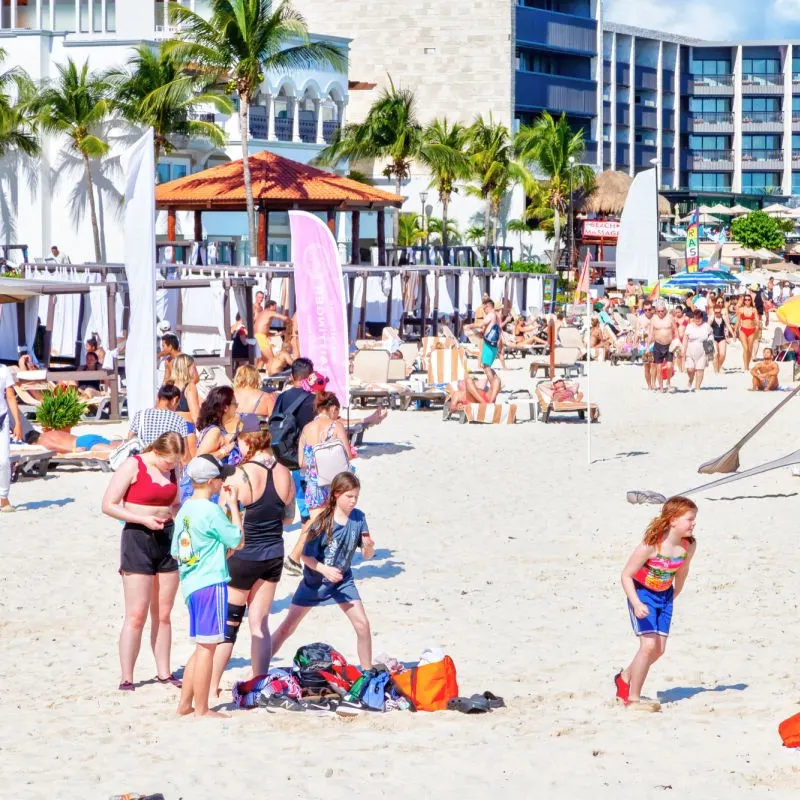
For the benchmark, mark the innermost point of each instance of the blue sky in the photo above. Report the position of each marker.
(711, 19)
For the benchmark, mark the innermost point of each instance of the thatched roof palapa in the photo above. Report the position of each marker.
(610, 192)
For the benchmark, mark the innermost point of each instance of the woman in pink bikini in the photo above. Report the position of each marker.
(653, 577)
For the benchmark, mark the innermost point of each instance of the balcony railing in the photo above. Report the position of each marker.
(328, 128)
(283, 129)
(559, 31)
(711, 117)
(202, 116)
(762, 79)
(711, 80)
(761, 117)
(762, 155)
(795, 155)
(667, 119)
(308, 131)
(572, 95)
(646, 78)
(712, 155)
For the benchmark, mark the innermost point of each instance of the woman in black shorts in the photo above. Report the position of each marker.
(266, 491)
(144, 494)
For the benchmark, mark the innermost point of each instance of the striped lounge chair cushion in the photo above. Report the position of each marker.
(492, 413)
(446, 366)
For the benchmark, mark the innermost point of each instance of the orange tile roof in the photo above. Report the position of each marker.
(278, 183)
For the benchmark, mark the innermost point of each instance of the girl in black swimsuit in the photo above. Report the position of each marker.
(266, 491)
(720, 327)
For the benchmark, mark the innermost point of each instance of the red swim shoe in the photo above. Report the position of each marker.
(623, 689)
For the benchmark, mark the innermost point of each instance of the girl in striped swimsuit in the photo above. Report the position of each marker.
(653, 577)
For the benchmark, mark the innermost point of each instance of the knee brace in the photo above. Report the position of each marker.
(234, 622)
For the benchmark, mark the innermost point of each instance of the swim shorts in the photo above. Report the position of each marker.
(89, 440)
(146, 552)
(208, 610)
(245, 574)
(659, 618)
(661, 353)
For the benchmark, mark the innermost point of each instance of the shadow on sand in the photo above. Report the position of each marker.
(685, 692)
(36, 505)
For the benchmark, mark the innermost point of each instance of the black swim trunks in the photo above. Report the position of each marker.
(661, 354)
(146, 552)
(245, 574)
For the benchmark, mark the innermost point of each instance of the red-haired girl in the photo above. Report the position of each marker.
(653, 577)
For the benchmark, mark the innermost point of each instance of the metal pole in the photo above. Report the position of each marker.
(571, 244)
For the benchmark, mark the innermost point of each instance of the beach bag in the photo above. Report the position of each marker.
(246, 694)
(492, 336)
(132, 447)
(429, 687)
(374, 694)
(320, 667)
(789, 731)
(708, 346)
(330, 457)
(285, 434)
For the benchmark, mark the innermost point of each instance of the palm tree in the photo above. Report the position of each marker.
(443, 152)
(75, 106)
(476, 234)
(243, 40)
(17, 126)
(519, 226)
(549, 145)
(157, 91)
(390, 131)
(436, 227)
(492, 158)
(410, 231)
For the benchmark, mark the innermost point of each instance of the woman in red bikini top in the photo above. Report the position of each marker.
(748, 325)
(144, 495)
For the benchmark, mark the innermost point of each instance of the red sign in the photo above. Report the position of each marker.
(600, 228)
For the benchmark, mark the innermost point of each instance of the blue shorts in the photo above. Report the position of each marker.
(208, 611)
(660, 616)
(89, 440)
(300, 495)
(488, 355)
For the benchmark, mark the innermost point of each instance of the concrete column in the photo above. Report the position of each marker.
(39, 15)
(103, 16)
(355, 237)
(676, 121)
(13, 11)
(787, 120)
(166, 15)
(632, 111)
(340, 109)
(660, 111)
(193, 5)
(295, 119)
(613, 96)
(52, 15)
(736, 186)
(270, 118)
(77, 15)
(91, 16)
(318, 112)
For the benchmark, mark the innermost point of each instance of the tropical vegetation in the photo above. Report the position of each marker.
(757, 230)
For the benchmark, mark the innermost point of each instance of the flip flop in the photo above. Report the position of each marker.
(493, 700)
(469, 705)
(127, 686)
(171, 680)
(623, 689)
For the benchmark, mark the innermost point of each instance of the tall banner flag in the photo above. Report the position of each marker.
(140, 271)
(716, 258)
(319, 291)
(583, 281)
(693, 243)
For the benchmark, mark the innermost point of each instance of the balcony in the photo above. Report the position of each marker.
(606, 155)
(714, 160)
(645, 153)
(202, 116)
(623, 115)
(668, 80)
(328, 129)
(258, 122)
(556, 31)
(711, 122)
(623, 155)
(759, 121)
(623, 75)
(283, 129)
(668, 119)
(259, 128)
(590, 154)
(558, 93)
(796, 121)
(667, 158)
(762, 84)
(716, 85)
(308, 131)
(606, 72)
(646, 118)
(646, 78)
(762, 159)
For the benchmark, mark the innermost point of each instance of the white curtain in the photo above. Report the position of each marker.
(204, 306)
(535, 294)
(9, 349)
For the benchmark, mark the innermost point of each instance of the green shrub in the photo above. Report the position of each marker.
(60, 409)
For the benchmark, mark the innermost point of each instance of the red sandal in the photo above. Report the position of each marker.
(623, 689)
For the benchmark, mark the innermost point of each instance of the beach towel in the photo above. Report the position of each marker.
(246, 694)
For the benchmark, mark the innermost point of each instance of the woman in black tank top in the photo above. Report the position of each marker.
(722, 329)
(266, 491)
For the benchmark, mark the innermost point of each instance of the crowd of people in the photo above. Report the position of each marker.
(205, 503)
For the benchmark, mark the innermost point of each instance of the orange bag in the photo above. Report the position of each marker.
(430, 686)
(789, 730)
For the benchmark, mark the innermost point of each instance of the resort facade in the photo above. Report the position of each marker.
(43, 201)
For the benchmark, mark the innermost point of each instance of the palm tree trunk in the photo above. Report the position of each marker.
(98, 253)
(244, 122)
(495, 220)
(487, 227)
(445, 198)
(556, 239)
(398, 189)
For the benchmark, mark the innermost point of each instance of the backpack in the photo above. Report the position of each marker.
(130, 447)
(492, 336)
(430, 686)
(320, 667)
(330, 457)
(374, 695)
(285, 434)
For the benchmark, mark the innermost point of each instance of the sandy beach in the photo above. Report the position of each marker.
(497, 543)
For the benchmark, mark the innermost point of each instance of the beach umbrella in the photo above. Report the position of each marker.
(705, 210)
(766, 255)
(777, 210)
(705, 219)
(738, 211)
(789, 312)
(720, 209)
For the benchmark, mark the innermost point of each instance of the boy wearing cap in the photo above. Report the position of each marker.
(202, 537)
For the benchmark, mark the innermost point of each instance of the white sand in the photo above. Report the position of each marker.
(497, 543)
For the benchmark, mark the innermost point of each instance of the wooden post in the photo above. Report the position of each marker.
(389, 301)
(435, 303)
(524, 279)
(551, 341)
(226, 321)
(362, 333)
(423, 296)
(469, 296)
(48, 330)
(263, 234)
(79, 335)
(355, 256)
(171, 228)
(381, 238)
(111, 339)
(249, 322)
(22, 344)
(198, 225)
(457, 306)
(332, 221)
(351, 281)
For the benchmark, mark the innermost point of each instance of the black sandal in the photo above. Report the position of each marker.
(469, 705)
(127, 686)
(493, 700)
(171, 680)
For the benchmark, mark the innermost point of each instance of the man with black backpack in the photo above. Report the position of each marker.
(294, 409)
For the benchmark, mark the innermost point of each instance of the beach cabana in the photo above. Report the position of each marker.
(279, 184)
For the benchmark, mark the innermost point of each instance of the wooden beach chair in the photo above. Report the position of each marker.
(370, 379)
(566, 360)
(445, 369)
(548, 406)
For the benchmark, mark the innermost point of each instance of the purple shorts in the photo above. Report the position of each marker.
(208, 611)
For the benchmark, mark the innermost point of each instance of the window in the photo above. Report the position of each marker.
(762, 104)
(761, 66)
(711, 67)
(796, 104)
(709, 143)
(710, 105)
(710, 181)
(796, 142)
(796, 183)
(170, 171)
(761, 142)
(760, 182)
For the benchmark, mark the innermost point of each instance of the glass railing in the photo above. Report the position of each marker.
(762, 79)
(711, 80)
(712, 155)
(762, 155)
(712, 117)
(762, 116)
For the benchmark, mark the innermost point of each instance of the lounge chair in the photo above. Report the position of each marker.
(571, 337)
(505, 412)
(445, 368)
(35, 381)
(548, 406)
(370, 379)
(88, 459)
(29, 461)
(566, 360)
